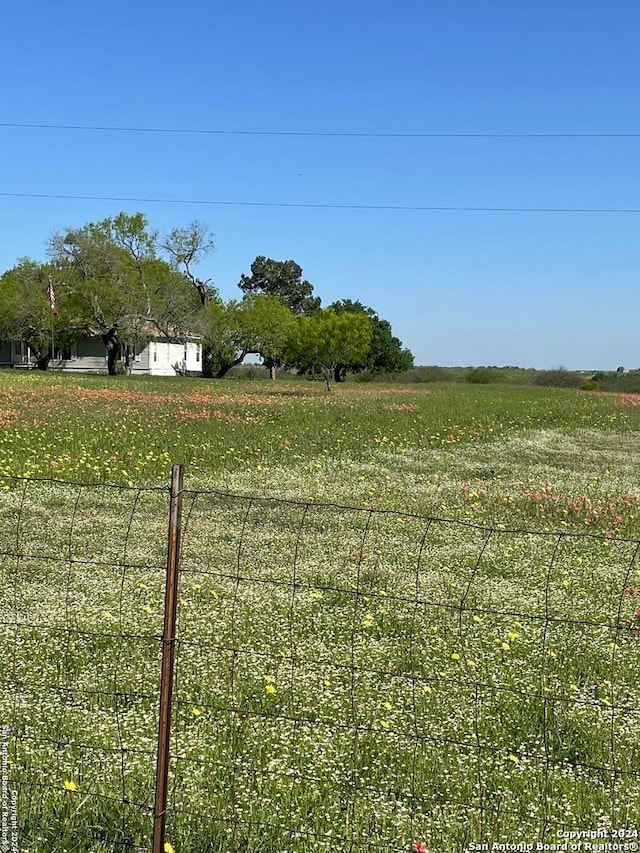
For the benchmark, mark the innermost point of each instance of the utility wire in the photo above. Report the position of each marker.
(313, 133)
(319, 206)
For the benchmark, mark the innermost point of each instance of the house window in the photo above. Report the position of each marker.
(197, 352)
(155, 352)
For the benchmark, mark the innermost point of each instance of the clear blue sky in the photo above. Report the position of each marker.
(460, 288)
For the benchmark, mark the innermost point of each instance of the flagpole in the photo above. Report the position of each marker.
(53, 317)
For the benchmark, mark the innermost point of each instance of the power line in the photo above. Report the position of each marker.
(320, 206)
(319, 133)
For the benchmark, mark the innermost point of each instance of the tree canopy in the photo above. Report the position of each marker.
(326, 339)
(282, 279)
(25, 308)
(385, 354)
(113, 284)
(119, 281)
(258, 324)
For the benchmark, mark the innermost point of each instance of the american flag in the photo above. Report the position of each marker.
(52, 297)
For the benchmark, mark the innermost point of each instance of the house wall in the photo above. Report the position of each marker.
(5, 353)
(160, 358)
(140, 363)
(88, 355)
(15, 353)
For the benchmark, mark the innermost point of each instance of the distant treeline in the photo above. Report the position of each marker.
(619, 380)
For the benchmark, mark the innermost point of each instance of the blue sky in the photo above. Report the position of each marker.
(459, 287)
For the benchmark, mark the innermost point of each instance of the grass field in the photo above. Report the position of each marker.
(394, 633)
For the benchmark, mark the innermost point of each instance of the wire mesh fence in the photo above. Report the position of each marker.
(346, 679)
(80, 566)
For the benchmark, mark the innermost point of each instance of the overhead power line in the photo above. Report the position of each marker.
(318, 133)
(320, 206)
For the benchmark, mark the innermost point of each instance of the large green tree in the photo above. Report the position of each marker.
(116, 287)
(386, 353)
(26, 311)
(256, 325)
(283, 280)
(268, 325)
(326, 339)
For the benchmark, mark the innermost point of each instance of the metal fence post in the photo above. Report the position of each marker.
(168, 655)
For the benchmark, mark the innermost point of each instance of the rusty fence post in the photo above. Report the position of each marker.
(168, 656)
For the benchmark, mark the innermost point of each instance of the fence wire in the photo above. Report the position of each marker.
(346, 679)
(80, 567)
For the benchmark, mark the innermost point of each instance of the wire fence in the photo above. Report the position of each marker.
(344, 679)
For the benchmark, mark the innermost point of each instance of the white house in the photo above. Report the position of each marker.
(15, 354)
(158, 357)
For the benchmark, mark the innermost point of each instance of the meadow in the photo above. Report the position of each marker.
(408, 615)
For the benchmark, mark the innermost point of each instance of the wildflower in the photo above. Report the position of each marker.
(169, 848)
(455, 656)
(505, 646)
(69, 785)
(419, 847)
(367, 620)
(514, 758)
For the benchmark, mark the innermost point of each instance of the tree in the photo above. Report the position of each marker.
(326, 339)
(283, 280)
(222, 337)
(386, 353)
(268, 326)
(186, 247)
(26, 311)
(115, 286)
(258, 325)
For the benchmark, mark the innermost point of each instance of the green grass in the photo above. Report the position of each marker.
(346, 679)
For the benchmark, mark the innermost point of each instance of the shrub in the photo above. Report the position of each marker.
(366, 376)
(628, 383)
(430, 373)
(559, 378)
(590, 384)
(480, 375)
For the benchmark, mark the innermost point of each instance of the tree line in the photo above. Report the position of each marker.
(121, 282)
